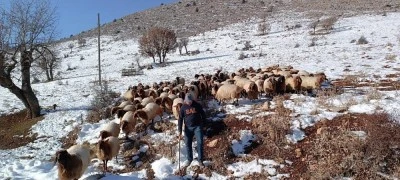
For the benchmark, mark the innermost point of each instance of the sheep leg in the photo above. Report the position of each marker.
(104, 166)
(116, 158)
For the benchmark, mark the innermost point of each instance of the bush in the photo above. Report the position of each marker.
(242, 56)
(362, 40)
(100, 107)
(247, 46)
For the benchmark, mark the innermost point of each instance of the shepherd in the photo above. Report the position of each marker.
(194, 117)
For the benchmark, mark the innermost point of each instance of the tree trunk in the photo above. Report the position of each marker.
(154, 59)
(30, 100)
(160, 58)
(186, 49)
(48, 74)
(51, 73)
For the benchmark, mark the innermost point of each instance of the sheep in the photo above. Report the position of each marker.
(229, 92)
(172, 96)
(280, 86)
(107, 149)
(269, 86)
(127, 123)
(122, 105)
(293, 84)
(303, 73)
(111, 129)
(73, 162)
(166, 104)
(251, 90)
(176, 107)
(164, 94)
(147, 100)
(311, 82)
(149, 112)
(180, 80)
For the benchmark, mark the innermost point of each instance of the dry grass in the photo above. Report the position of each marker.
(333, 150)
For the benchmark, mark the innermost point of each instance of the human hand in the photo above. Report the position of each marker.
(180, 137)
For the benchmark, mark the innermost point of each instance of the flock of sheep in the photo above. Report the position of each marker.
(143, 103)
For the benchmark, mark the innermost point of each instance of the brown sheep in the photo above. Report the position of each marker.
(107, 149)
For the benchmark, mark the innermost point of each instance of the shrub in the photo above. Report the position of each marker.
(328, 23)
(362, 40)
(247, 46)
(297, 45)
(100, 106)
(241, 56)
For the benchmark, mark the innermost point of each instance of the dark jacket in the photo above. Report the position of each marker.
(193, 115)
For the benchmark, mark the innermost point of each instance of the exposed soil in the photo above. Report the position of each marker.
(15, 130)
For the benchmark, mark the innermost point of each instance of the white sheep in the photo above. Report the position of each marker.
(110, 129)
(147, 100)
(176, 107)
(229, 92)
(269, 86)
(149, 112)
(311, 82)
(73, 162)
(107, 149)
(128, 123)
(293, 84)
(303, 73)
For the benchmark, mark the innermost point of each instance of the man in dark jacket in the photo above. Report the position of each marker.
(193, 115)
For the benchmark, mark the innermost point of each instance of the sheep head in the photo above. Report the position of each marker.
(67, 161)
(141, 115)
(114, 110)
(104, 134)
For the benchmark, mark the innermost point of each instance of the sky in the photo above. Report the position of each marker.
(76, 16)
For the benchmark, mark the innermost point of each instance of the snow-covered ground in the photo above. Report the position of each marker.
(332, 54)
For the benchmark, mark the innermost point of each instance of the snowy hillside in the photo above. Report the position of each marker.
(334, 54)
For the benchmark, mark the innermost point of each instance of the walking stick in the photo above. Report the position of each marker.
(179, 155)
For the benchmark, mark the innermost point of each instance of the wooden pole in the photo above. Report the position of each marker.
(98, 45)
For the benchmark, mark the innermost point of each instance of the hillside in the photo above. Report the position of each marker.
(212, 14)
(351, 130)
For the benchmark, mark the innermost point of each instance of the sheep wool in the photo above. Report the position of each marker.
(228, 92)
(111, 129)
(107, 149)
(73, 162)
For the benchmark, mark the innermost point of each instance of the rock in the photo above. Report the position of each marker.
(213, 143)
(319, 130)
(265, 106)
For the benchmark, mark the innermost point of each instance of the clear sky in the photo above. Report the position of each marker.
(76, 16)
(79, 15)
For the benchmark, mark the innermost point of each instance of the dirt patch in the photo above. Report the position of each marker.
(15, 130)
(333, 149)
(352, 82)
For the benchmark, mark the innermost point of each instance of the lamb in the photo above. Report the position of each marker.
(73, 162)
(229, 92)
(293, 84)
(176, 107)
(111, 129)
(107, 149)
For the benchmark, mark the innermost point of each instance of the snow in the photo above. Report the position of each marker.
(333, 53)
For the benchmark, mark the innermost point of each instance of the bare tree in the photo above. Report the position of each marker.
(81, 42)
(263, 27)
(185, 42)
(71, 46)
(28, 24)
(314, 25)
(146, 48)
(158, 42)
(180, 46)
(47, 61)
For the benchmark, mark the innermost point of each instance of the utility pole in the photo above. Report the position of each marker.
(98, 49)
